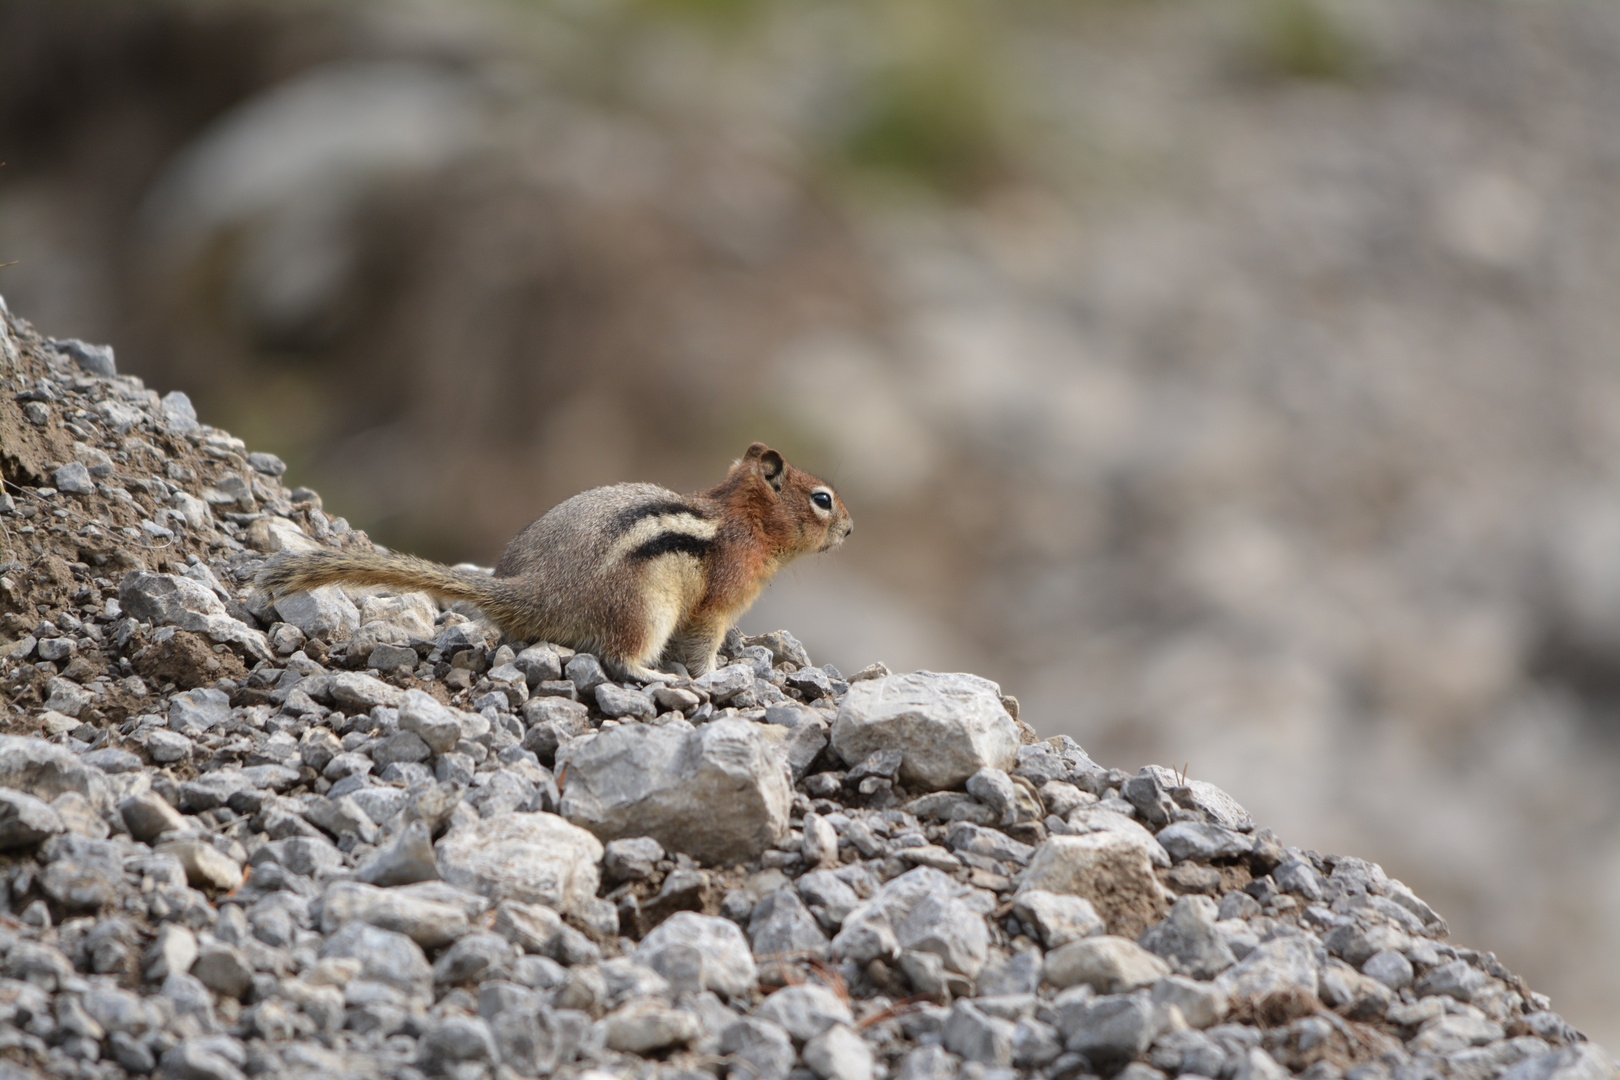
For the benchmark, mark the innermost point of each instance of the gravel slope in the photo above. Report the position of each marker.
(356, 835)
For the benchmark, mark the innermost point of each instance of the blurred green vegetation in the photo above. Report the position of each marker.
(913, 91)
(932, 109)
(1302, 39)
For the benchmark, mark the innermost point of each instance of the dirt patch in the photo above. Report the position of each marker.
(187, 660)
(1274, 1009)
(150, 497)
(1348, 1043)
(1128, 901)
(1211, 879)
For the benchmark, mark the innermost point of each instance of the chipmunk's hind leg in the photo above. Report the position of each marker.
(633, 656)
(647, 625)
(670, 586)
(695, 646)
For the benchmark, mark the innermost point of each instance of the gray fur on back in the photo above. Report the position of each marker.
(581, 532)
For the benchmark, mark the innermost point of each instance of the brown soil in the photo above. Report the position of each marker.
(187, 660)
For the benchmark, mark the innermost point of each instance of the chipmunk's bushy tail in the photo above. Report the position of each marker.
(298, 571)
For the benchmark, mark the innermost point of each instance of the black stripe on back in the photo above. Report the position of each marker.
(670, 543)
(628, 518)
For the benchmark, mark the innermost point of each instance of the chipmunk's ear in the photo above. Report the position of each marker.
(769, 463)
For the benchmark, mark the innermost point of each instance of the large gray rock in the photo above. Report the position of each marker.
(171, 600)
(217, 787)
(1202, 842)
(1201, 1003)
(537, 858)
(1351, 993)
(1299, 877)
(762, 1047)
(1056, 919)
(73, 478)
(355, 691)
(1454, 1033)
(82, 873)
(223, 968)
(1582, 1061)
(1256, 1064)
(25, 820)
(947, 727)
(1110, 1029)
(830, 897)
(1277, 980)
(456, 1040)
(631, 859)
(273, 533)
(326, 613)
(311, 856)
(625, 978)
(717, 793)
(341, 817)
(429, 923)
(642, 1026)
(530, 927)
(1016, 975)
(781, 925)
(1098, 819)
(1458, 980)
(839, 1053)
(931, 1061)
(198, 710)
(539, 663)
(1188, 939)
(385, 957)
(1109, 965)
(64, 695)
(798, 732)
(408, 858)
(1011, 803)
(992, 843)
(46, 771)
(201, 1058)
(804, 1010)
(700, 952)
(172, 952)
(119, 1010)
(165, 746)
(473, 958)
(206, 866)
(925, 910)
(92, 359)
(1390, 968)
(179, 414)
(435, 724)
(976, 1036)
(617, 702)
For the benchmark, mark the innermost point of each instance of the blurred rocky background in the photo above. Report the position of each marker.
(1236, 381)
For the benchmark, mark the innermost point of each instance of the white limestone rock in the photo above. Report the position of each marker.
(925, 910)
(947, 727)
(717, 793)
(537, 858)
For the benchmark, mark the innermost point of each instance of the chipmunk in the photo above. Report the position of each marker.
(634, 573)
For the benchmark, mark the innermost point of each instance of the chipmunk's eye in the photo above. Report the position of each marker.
(822, 499)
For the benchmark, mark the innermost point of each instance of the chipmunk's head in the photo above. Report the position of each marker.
(798, 512)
